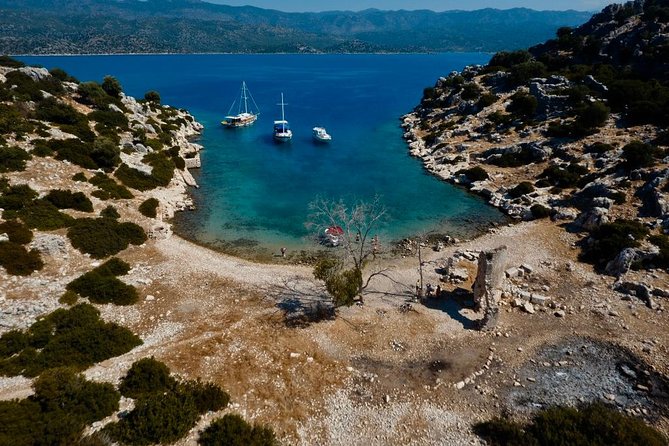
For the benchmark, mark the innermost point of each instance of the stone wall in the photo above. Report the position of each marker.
(488, 284)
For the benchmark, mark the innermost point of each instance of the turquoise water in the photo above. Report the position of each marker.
(254, 193)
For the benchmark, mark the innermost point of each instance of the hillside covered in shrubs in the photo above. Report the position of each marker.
(574, 129)
(80, 163)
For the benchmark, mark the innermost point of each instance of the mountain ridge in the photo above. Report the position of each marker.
(94, 26)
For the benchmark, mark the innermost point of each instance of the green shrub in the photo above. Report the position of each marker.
(476, 173)
(523, 105)
(486, 100)
(233, 430)
(110, 212)
(156, 419)
(112, 86)
(161, 174)
(61, 75)
(101, 286)
(152, 96)
(75, 151)
(523, 157)
(637, 155)
(105, 153)
(12, 342)
(146, 377)
(69, 298)
(10, 62)
(521, 189)
(75, 337)
(540, 211)
(65, 199)
(42, 215)
(499, 118)
(25, 88)
(506, 59)
(109, 119)
(41, 148)
(610, 239)
(63, 404)
(208, 397)
(16, 231)
(91, 93)
(110, 188)
(16, 197)
(564, 177)
(522, 73)
(470, 92)
(13, 159)
(103, 237)
(13, 121)
(149, 207)
(80, 177)
(594, 424)
(52, 110)
(592, 115)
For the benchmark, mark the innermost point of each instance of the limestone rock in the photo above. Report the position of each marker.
(592, 219)
(49, 244)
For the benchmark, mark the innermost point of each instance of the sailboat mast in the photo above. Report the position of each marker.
(246, 109)
(283, 117)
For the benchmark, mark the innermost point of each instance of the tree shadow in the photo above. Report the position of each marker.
(301, 302)
(452, 303)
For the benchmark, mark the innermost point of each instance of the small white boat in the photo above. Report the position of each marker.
(244, 117)
(282, 131)
(320, 134)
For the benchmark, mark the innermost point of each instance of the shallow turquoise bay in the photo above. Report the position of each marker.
(254, 193)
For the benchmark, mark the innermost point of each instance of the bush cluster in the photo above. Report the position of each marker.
(476, 173)
(62, 405)
(110, 212)
(18, 261)
(165, 409)
(523, 157)
(101, 285)
(563, 176)
(637, 155)
(161, 174)
(27, 89)
(594, 424)
(521, 189)
(16, 231)
(13, 159)
(149, 207)
(523, 105)
(16, 197)
(607, 241)
(233, 430)
(102, 237)
(76, 337)
(42, 215)
(12, 120)
(108, 188)
(65, 199)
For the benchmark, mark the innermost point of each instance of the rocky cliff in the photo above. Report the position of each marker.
(574, 130)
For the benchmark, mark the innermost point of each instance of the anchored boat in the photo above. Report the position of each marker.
(320, 134)
(245, 116)
(282, 131)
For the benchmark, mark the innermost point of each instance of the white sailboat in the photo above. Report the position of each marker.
(282, 131)
(244, 117)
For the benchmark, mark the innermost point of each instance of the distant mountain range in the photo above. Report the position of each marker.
(193, 26)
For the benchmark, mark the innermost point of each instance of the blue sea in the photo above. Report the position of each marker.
(254, 193)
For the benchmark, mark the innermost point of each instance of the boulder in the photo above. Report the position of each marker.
(592, 219)
(49, 244)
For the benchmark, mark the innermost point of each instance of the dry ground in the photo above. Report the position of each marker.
(373, 375)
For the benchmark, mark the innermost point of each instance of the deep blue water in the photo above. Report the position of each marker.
(253, 189)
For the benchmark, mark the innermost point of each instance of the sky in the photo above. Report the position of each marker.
(436, 5)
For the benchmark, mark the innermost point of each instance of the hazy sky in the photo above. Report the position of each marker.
(437, 5)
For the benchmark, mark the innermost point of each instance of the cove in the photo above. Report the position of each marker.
(254, 193)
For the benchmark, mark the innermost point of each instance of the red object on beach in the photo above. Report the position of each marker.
(334, 230)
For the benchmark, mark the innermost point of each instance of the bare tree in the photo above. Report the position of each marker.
(355, 227)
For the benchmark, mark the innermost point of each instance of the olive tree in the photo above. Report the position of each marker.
(356, 238)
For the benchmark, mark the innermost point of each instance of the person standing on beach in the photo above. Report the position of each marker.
(283, 252)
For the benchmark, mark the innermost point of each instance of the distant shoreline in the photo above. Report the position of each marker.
(252, 54)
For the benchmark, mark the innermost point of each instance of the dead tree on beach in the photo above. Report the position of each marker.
(354, 230)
